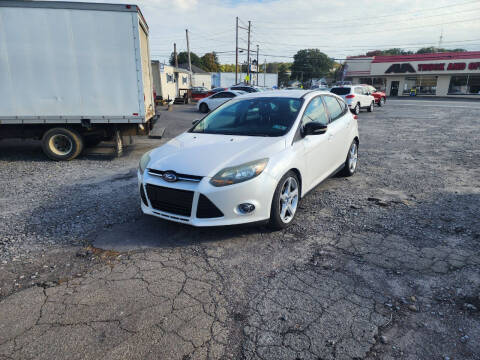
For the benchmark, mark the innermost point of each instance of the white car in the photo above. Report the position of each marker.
(356, 97)
(213, 101)
(250, 160)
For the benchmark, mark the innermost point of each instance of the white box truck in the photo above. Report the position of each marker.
(74, 74)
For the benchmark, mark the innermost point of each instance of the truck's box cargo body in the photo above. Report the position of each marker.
(74, 63)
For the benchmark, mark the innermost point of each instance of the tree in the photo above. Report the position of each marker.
(392, 51)
(433, 49)
(183, 58)
(210, 62)
(227, 68)
(309, 64)
(283, 75)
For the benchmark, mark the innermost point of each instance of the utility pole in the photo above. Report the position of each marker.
(236, 52)
(175, 54)
(258, 65)
(189, 60)
(248, 52)
(265, 73)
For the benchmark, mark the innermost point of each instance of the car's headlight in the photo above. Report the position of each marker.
(240, 173)
(145, 159)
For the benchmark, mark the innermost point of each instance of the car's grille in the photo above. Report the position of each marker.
(142, 195)
(206, 209)
(173, 201)
(184, 177)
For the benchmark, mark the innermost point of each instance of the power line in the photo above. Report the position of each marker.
(360, 18)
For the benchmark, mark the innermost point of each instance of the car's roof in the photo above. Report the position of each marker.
(285, 93)
(236, 92)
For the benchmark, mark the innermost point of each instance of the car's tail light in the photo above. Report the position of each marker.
(351, 96)
(355, 117)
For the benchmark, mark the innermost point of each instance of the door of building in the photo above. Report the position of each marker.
(394, 88)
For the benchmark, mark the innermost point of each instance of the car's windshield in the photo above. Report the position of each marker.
(340, 90)
(267, 116)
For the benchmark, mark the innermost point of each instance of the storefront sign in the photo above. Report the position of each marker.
(474, 66)
(400, 69)
(453, 66)
(431, 67)
(457, 66)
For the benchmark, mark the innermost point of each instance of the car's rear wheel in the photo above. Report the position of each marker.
(356, 109)
(381, 102)
(285, 201)
(351, 161)
(204, 108)
(370, 108)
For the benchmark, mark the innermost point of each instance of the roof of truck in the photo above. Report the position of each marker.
(69, 5)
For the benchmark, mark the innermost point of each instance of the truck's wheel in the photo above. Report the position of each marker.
(62, 144)
(118, 140)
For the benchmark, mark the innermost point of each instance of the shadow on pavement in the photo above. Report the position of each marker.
(151, 232)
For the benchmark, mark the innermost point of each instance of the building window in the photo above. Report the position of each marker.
(378, 83)
(184, 79)
(425, 85)
(464, 85)
(170, 78)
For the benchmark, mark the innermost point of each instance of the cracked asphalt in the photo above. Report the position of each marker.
(383, 265)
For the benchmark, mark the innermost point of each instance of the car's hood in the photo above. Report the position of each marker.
(206, 154)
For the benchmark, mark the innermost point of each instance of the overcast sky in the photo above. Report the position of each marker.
(282, 27)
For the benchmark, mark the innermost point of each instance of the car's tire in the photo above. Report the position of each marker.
(62, 144)
(203, 108)
(352, 159)
(285, 202)
(356, 109)
(381, 102)
(370, 108)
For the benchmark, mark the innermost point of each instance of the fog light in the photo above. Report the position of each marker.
(246, 208)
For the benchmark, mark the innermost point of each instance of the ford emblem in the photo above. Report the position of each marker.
(170, 176)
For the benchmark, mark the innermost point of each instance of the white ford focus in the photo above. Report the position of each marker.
(252, 159)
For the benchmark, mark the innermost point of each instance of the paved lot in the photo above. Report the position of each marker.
(383, 265)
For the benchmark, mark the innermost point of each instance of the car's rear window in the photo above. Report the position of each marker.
(340, 90)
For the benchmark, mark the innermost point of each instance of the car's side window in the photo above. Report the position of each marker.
(359, 91)
(334, 109)
(316, 112)
(217, 96)
(343, 105)
(229, 95)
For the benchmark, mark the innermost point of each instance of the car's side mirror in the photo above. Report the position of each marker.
(195, 122)
(314, 128)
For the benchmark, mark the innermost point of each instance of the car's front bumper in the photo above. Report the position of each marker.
(258, 191)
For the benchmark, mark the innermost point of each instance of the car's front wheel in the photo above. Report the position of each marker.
(351, 161)
(285, 201)
(204, 108)
(381, 102)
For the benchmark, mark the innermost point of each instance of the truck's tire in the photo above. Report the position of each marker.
(118, 142)
(62, 144)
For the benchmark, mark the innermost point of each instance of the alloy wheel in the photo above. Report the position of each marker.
(353, 157)
(288, 199)
(61, 144)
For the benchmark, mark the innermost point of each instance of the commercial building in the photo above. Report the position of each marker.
(200, 77)
(168, 81)
(440, 74)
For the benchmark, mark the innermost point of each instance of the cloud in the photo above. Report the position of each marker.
(282, 27)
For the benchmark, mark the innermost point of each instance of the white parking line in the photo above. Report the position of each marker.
(437, 104)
